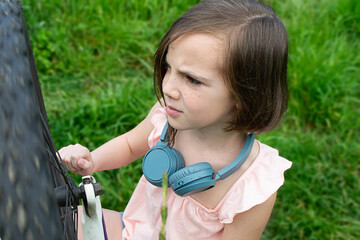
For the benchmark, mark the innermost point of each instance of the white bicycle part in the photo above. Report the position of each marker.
(91, 217)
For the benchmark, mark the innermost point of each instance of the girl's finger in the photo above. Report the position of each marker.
(73, 162)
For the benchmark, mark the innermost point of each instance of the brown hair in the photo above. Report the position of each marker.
(255, 66)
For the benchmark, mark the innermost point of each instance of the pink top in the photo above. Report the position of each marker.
(187, 218)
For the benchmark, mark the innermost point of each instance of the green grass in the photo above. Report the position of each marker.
(95, 64)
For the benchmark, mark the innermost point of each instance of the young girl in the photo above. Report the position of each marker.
(220, 74)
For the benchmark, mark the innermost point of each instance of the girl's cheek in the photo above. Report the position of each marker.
(191, 97)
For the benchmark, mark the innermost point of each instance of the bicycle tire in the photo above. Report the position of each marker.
(29, 169)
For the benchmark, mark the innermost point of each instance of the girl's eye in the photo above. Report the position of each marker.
(193, 80)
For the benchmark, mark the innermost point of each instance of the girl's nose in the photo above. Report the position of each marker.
(170, 86)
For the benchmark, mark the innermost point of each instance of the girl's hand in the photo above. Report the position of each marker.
(77, 159)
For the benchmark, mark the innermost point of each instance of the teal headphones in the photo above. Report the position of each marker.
(191, 179)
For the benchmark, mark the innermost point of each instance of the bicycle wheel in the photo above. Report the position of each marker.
(29, 169)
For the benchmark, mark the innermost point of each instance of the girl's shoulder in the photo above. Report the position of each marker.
(158, 119)
(261, 180)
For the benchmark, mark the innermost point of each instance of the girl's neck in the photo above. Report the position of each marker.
(215, 140)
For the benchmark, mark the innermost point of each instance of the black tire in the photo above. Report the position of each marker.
(29, 170)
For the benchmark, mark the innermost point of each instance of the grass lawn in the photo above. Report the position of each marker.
(95, 64)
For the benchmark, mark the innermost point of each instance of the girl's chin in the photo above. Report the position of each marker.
(175, 123)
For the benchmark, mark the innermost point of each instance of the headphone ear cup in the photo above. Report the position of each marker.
(158, 159)
(178, 158)
(192, 179)
(186, 171)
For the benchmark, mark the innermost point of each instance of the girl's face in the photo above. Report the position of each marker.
(193, 86)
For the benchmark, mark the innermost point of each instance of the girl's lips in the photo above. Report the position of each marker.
(172, 111)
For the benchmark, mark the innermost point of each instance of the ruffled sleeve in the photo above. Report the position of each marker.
(262, 179)
(158, 120)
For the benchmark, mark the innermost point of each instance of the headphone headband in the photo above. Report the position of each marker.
(238, 161)
(164, 136)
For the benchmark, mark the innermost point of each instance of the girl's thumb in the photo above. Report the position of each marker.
(83, 163)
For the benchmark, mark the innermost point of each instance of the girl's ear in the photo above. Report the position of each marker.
(235, 111)
(238, 106)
